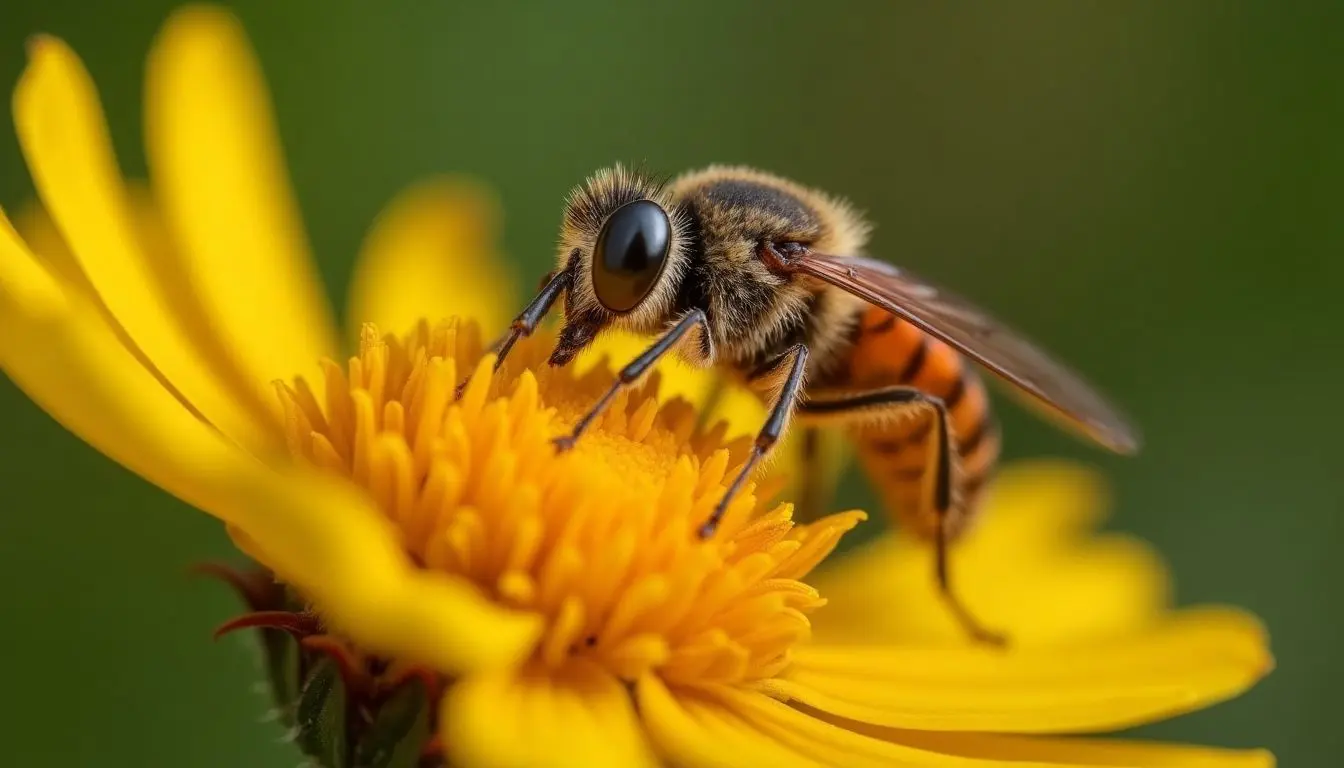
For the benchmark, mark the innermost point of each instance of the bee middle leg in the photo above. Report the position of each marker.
(791, 366)
(877, 405)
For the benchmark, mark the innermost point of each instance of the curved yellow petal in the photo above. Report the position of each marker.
(1192, 661)
(830, 744)
(321, 535)
(217, 171)
(64, 138)
(433, 253)
(327, 538)
(1074, 751)
(63, 356)
(44, 240)
(578, 716)
(693, 731)
(1029, 569)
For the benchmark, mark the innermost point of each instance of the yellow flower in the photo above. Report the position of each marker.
(560, 600)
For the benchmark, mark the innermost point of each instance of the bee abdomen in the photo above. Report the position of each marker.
(898, 453)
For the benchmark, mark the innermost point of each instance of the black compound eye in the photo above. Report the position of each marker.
(630, 254)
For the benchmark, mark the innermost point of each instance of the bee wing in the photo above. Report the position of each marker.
(1006, 353)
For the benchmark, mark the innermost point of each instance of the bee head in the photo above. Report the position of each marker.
(625, 244)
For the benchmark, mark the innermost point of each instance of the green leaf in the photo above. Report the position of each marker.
(321, 716)
(399, 730)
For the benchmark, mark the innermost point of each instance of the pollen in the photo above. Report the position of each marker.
(599, 540)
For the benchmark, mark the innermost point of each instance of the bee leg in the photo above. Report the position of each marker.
(527, 321)
(868, 406)
(942, 500)
(770, 432)
(637, 368)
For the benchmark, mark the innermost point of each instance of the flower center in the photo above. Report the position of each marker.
(599, 540)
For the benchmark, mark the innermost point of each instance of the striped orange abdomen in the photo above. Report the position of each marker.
(897, 454)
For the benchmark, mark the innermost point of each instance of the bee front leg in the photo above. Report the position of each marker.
(792, 365)
(632, 372)
(526, 322)
(554, 284)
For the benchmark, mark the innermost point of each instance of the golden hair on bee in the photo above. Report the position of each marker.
(759, 312)
(749, 199)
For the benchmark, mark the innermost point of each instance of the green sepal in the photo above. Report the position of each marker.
(320, 718)
(283, 658)
(399, 731)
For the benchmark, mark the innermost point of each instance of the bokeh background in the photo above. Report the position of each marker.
(1151, 188)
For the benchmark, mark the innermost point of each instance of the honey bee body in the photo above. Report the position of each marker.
(765, 279)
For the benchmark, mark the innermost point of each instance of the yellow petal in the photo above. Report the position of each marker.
(578, 716)
(1076, 751)
(727, 727)
(738, 407)
(64, 138)
(1192, 661)
(321, 535)
(432, 254)
(676, 378)
(63, 356)
(44, 240)
(1037, 504)
(219, 175)
(1029, 569)
(829, 744)
(324, 536)
(693, 731)
(1102, 589)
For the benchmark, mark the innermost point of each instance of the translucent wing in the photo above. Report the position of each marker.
(980, 337)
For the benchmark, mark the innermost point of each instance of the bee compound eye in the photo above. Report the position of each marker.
(630, 254)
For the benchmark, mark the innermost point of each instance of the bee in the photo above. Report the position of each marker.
(768, 281)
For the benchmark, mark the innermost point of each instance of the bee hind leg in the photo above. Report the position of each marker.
(875, 406)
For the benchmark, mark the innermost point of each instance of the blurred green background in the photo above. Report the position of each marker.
(1153, 189)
